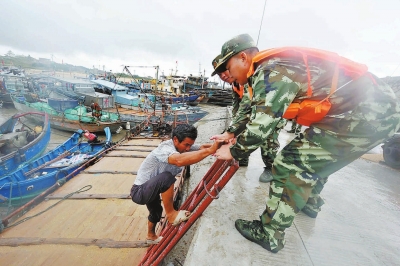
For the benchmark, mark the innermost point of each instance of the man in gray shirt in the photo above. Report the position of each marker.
(157, 172)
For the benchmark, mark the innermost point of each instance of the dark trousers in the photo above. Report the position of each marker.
(148, 194)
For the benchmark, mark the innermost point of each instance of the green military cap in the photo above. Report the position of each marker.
(232, 47)
(215, 61)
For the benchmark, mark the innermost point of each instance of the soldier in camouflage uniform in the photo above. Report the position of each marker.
(364, 112)
(236, 99)
(240, 116)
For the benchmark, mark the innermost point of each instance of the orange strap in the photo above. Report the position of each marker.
(309, 89)
(239, 90)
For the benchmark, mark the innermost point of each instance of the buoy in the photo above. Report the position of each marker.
(90, 136)
(128, 125)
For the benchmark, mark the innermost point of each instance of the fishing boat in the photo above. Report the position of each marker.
(21, 142)
(40, 174)
(175, 113)
(9, 83)
(195, 82)
(122, 94)
(182, 98)
(71, 119)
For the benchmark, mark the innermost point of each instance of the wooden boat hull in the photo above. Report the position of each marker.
(180, 116)
(64, 124)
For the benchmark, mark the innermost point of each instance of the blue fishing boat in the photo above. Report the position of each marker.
(122, 94)
(182, 98)
(40, 174)
(21, 141)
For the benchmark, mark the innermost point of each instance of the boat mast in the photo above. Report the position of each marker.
(202, 81)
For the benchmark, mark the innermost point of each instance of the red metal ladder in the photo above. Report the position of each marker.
(206, 191)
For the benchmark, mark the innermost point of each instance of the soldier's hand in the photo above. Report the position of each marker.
(224, 153)
(216, 145)
(226, 137)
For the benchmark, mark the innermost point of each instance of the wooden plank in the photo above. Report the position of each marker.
(109, 172)
(117, 164)
(38, 255)
(103, 243)
(138, 145)
(143, 141)
(101, 184)
(91, 196)
(88, 218)
(133, 148)
(118, 152)
(126, 156)
(101, 226)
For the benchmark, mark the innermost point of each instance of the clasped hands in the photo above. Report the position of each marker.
(225, 140)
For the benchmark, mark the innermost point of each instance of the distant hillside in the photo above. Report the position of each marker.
(28, 62)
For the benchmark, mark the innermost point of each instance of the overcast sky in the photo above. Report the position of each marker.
(162, 32)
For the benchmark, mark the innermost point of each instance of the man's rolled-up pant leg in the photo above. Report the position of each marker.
(149, 194)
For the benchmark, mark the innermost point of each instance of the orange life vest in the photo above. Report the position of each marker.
(308, 111)
(239, 90)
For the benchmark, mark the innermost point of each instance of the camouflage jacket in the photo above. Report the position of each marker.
(278, 81)
(241, 111)
(235, 102)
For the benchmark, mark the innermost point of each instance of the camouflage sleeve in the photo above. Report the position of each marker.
(235, 102)
(272, 94)
(242, 116)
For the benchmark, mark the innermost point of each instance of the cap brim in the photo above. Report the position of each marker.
(219, 69)
(221, 64)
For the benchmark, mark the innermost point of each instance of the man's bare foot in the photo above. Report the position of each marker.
(152, 236)
(173, 216)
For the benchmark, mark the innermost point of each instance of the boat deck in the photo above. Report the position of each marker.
(98, 226)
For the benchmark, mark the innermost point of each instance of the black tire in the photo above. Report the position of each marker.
(391, 151)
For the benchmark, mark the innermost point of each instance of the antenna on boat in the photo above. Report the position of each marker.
(199, 69)
(156, 67)
(262, 18)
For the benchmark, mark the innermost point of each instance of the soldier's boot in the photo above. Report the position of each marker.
(244, 162)
(313, 207)
(310, 212)
(266, 175)
(253, 231)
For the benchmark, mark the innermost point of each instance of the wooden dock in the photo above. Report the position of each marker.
(99, 226)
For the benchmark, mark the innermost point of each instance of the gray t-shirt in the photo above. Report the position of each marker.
(157, 162)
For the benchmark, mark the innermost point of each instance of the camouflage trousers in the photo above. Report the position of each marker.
(302, 168)
(271, 146)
